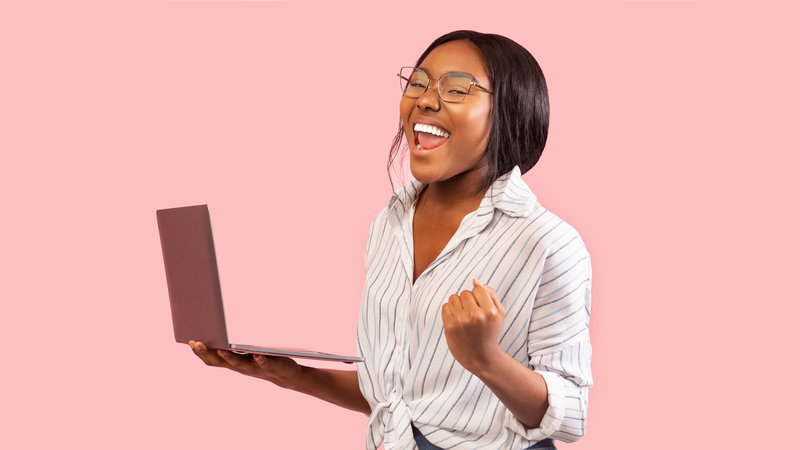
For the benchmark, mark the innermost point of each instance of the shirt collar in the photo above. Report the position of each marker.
(509, 194)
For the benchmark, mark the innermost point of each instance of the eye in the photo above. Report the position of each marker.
(458, 90)
(457, 83)
(417, 81)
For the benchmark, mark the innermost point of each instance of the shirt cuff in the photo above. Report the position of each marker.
(552, 417)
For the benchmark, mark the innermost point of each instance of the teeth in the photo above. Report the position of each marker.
(419, 147)
(431, 130)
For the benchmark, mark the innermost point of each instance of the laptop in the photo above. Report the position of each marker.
(195, 295)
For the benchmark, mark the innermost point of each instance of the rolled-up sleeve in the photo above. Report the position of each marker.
(558, 343)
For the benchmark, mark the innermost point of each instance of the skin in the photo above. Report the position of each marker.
(453, 172)
(339, 387)
(472, 322)
(458, 163)
(472, 319)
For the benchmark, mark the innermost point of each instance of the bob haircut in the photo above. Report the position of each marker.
(520, 110)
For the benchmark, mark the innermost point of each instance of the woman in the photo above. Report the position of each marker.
(451, 362)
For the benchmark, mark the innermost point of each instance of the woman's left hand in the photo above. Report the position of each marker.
(472, 324)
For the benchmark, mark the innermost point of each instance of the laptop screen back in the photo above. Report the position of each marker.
(192, 277)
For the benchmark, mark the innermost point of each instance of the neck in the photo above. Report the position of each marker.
(462, 191)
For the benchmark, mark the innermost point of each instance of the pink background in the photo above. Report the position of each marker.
(673, 142)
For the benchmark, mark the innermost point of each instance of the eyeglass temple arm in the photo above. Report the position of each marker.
(481, 87)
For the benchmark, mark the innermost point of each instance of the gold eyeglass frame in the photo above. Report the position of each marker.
(473, 82)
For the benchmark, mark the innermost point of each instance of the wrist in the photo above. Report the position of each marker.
(488, 364)
(298, 380)
(293, 379)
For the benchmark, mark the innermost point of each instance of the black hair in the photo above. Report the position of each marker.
(521, 108)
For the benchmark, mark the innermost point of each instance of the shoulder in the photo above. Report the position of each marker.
(380, 218)
(397, 209)
(380, 221)
(553, 250)
(527, 225)
(565, 257)
(545, 229)
(379, 232)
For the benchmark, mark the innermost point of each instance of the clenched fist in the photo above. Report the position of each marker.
(472, 322)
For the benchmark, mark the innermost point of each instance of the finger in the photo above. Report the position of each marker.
(500, 308)
(455, 303)
(496, 300)
(477, 282)
(266, 361)
(469, 301)
(199, 349)
(447, 313)
(240, 363)
(481, 294)
(261, 360)
(491, 294)
(198, 346)
(209, 357)
(449, 319)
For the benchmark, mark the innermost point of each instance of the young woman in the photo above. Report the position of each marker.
(474, 317)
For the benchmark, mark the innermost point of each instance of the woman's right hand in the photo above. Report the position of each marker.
(281, 371)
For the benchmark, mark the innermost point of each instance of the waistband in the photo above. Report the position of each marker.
(425, 444)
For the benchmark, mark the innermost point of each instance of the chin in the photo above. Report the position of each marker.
(422, 172)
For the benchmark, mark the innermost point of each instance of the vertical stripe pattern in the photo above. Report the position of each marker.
(541, 271)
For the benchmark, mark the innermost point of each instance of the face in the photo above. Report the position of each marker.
(460, 156)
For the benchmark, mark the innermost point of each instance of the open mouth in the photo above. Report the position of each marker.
(428, 137)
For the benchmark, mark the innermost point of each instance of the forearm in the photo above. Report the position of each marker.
(472, 322)
(520, 389)
(339, 387)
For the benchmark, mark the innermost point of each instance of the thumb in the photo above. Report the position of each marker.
(492, 295)
(261, 360)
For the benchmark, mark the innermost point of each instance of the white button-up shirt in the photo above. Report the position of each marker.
(540, 269)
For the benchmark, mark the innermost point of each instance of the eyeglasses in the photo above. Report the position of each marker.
(453, 86)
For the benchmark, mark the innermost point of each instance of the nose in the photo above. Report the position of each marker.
(430, 98)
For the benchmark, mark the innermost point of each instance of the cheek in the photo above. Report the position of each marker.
(406, 106)
(481, 125)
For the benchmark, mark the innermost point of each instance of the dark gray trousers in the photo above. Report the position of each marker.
(424, 444)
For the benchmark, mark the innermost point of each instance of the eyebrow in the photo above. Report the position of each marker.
(478, 83)
(449, 71)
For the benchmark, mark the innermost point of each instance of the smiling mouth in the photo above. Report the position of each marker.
(428, 137)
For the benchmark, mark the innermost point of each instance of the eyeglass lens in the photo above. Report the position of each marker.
(453, 87)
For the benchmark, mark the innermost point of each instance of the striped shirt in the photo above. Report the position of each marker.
(541, 271)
